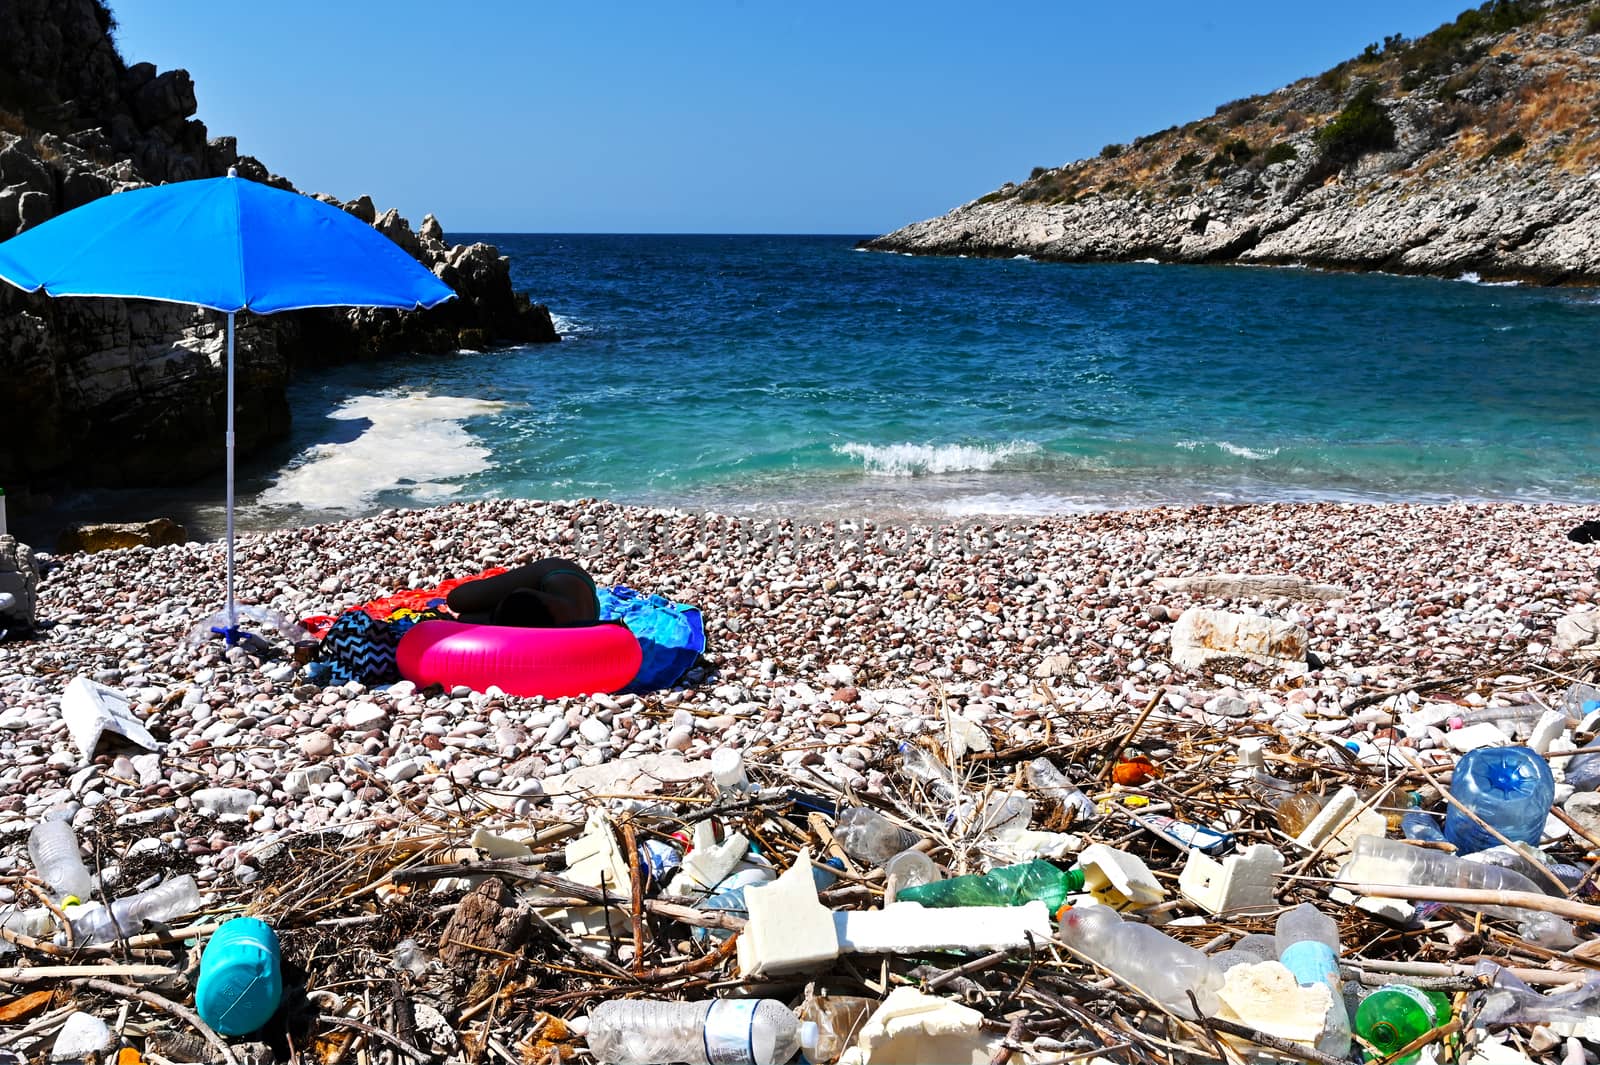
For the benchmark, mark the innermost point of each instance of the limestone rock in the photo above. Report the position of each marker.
(157, 532)
(1251, 586)
(1579, 633)
(1201, 635)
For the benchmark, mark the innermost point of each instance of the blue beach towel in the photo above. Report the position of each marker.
(670, 634)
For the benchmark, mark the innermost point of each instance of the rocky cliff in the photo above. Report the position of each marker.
(124, 391)
(1471, 149)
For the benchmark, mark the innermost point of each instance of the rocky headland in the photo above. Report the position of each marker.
(122, 391)
(1468, 150)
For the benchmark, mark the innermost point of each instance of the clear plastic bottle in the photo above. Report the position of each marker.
(1388, 861)
(829, 1024)
(35, 923)
(53, 849)
(1511, 788)
(1583, 772)
(1396, 1015)
(1158, 965)
(1297, 811)
(923, 767)
(1580, 700)
(869, 837)
(1515, 721)
(1009, 885)
(910, 869)
(1051, 784)
(1423, 827)
(1308, 946)
(724, 1032)
(728, 897)
(1000, 812)
(170, 899)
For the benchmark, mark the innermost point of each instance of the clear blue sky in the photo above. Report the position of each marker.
(774, 116)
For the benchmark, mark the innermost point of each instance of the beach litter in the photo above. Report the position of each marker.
(1131, 874)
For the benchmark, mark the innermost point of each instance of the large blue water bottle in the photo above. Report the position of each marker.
(241, 977)
(1511, 788)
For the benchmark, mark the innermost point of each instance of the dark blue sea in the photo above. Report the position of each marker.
(798, 375)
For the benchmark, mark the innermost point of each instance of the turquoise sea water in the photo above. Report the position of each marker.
(784, 374)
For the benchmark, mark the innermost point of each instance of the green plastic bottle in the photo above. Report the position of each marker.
(1394, 1015)
(1010, 885)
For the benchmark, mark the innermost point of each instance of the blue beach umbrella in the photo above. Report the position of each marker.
(226, 243)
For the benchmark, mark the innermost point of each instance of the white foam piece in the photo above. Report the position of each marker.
(908, 927)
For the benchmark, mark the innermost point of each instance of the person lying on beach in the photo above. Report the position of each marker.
(550, 593)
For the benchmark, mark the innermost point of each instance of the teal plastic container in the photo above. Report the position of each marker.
(241, 977)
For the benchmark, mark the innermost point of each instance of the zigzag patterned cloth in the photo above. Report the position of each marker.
(361, 647)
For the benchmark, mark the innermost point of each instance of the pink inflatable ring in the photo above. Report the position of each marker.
(573, 660)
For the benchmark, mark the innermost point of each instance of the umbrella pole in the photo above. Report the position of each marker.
(230, 637)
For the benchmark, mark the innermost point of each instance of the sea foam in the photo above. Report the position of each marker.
(414, 441)
(914, 460)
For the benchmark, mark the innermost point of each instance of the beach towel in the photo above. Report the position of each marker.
(671, 635)
(415, 599)
(361, 647)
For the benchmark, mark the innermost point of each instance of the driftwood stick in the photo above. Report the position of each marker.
(1522, 900)
(591, 896)
(166, 1005)
(376, 1033)
(40, 973)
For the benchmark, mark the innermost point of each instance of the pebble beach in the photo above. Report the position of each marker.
(824, 642)
(828, 645)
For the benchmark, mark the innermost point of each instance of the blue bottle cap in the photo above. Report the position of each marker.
(241, 977)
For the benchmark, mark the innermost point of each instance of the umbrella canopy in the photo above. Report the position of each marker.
(225, 243)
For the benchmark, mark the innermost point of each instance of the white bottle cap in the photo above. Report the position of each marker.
(727, 768)
(809, 1034)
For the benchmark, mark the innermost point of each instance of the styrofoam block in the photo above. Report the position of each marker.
(91, 710)
(1267, 997)
(1398, 911)
(1473, 737)
(1118, 879)
(709, 862)
(789, 930)
(908, 927)
(1551, 725)
(1239, 884)
(593, 859)
(1339, 809)
(911, 1026)
(496, 847)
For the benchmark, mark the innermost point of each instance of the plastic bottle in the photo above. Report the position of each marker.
(1009, 885)
(869, 837)
(724, 1031)
(1420, 826)
(1308, 946)
(932, 773)
(241, 977)
(1515, 721)
(1158, 965)
(1395, 1015)
(1000, 812)
(1051, 784)
(35, 923)
(829, 1024)
(910, 869)
(53, 849)
(728, 896)
(1580, 700)
(1511, 788)
(1583, 772)
(1297, 811)
(101, 924)
(1387, 861)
